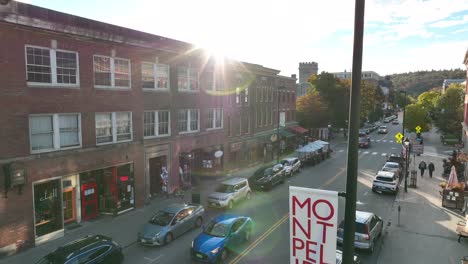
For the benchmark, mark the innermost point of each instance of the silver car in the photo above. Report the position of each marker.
(392, 167)
(230, 192)
(171, 222)
(291, 165)
(368, 228)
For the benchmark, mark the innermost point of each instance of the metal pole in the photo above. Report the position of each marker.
(278, 125)
(407, 169)
(352, 164)
(404, 116)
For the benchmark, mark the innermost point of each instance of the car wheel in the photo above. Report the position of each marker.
(248, 234)
(371, 249)
(168, 238)
(230, 205)
(248, 196)
(223, 256)
(198, 222)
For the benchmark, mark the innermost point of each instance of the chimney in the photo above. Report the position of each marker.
(293, 76)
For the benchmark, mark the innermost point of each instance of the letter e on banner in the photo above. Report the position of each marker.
(313, 224)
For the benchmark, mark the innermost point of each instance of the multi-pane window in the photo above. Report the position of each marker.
(246, 94)
(113, 127)
(156, 123)
(155, 76)
(214, 118)
(258, 118)
(54, 132)
(188, 120)
(246, 125)
(51, 66)
(239, 125)
(187, 79)
(111, 72)
(237, 95)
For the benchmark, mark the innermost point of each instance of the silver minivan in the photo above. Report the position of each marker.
(368, 228)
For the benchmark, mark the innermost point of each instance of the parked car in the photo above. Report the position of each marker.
(271, 176)
(368, 228)
(364, 142)
(395, 122)
(364, 131)
(339, 258)
(291, 165)
(222, 235)
(90, 249)
(362, 134)
(171, 222)
(230, 192)
(382, 130)
(393, 167)
(385, 181)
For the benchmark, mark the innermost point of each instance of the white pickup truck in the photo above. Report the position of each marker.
(385, 181)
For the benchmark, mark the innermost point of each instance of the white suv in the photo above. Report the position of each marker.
(385, 181)
(230, 192)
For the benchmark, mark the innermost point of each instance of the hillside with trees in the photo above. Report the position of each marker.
(418, 82)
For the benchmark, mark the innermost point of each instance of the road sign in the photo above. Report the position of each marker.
(313, 224)
(417, 148)
(398, 137)
(418, 129)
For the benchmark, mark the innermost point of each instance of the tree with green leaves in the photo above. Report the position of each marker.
(428, 100)
(417, 115)
(450, 110)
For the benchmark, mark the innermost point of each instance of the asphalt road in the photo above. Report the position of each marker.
(270, 242)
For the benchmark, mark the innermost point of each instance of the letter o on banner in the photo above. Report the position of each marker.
(330, 206)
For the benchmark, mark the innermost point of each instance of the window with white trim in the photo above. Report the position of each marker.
(188, 120)
(156, 123)
(155, 76)
(113, 127)
(214, 118)
(237, 95)
(110, 72)
(51, 66)
(52, 132)
(246, 94)
(187, 79)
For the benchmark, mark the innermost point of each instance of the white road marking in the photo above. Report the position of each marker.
(391, 141)
(372, 140)
(153, 260)
(384, 140)
(366, 152)
(384, 154)
(341, 150)
(378, 140)
(374, 153)
(366, 193)
(359, 203)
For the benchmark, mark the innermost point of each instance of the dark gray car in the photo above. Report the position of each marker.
(171, 222)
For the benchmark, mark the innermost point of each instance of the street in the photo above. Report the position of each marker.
(270, 242)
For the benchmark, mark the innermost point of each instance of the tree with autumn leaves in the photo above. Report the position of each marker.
(327, 102)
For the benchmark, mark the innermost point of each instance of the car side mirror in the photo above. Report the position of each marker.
(174, 222)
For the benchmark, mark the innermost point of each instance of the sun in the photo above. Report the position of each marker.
(215, 48)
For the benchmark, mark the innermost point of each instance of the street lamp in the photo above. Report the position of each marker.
(404, 111)
(407, 147)
(278, 125)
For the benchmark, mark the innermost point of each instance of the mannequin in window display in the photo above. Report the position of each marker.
(164, 179)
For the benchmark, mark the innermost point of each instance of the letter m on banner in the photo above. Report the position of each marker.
(313, 224)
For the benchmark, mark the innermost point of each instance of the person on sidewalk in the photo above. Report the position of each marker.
(422, 167)
(431, 168)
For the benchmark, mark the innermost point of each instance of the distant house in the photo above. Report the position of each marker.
(448, 82)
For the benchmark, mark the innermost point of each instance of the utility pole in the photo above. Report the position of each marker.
(352, 165)
(404, 113)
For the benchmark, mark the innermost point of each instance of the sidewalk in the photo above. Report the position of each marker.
(426, 233)
(123, 229)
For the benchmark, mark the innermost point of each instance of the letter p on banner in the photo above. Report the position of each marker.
(313, 225)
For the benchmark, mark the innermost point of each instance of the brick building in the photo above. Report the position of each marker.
(93, 114)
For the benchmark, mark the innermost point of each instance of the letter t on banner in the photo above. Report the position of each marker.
(313, 224)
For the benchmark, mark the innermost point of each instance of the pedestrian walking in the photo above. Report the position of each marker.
(422, 167)
(431, 168)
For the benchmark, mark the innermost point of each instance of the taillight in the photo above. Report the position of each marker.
(367, 232)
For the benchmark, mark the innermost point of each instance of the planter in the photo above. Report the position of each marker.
(453, 199)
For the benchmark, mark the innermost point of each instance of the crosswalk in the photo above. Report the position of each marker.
(383, 141)
(363, 153)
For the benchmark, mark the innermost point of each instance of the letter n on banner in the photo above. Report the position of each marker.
(313, 224)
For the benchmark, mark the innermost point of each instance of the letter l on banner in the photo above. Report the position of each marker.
(313, 215)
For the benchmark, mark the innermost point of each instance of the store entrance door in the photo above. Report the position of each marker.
(89, 202)
(155, 167)
(69, 205)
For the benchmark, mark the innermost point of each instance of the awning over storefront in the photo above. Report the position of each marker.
(286, 133)
(299, 129)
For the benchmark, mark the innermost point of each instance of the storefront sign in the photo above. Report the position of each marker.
(313, 225)
(218, 154)
(236, 146)
(417, 148)
(123, 178)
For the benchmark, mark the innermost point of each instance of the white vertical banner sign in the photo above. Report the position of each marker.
(313, 224)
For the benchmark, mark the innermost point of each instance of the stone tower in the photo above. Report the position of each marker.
(306, 69)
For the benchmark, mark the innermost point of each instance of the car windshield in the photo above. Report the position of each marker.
(362, 140)
(285, 163)
(385, 179)
(225, 188)
(268, 172)
(360, 227)
(217, 229)
(392, 166)
(161, 218)
(383, 127)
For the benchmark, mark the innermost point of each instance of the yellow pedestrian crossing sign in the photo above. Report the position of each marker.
(398, 137)
(418, 129)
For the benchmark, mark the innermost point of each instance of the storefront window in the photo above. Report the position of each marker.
(126, 194)
(48, 207)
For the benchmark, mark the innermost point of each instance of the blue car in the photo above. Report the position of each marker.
(221, 235)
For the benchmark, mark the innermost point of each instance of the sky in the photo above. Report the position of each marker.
(399, 36)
